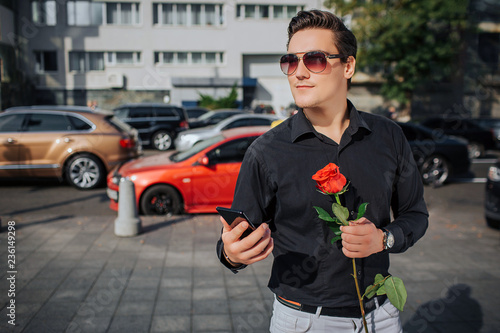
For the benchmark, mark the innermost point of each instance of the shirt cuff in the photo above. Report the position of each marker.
(226, 263)
(399, 238)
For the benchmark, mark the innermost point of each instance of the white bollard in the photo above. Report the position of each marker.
(128, 223)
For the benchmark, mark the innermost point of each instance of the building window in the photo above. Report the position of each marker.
(210, 16)
(124, 58)
(251, 11)
(123, 13)
(263, 11)
(196, 14)
(168, 57)
(46, 61)
(84, 13)
(76, 61)
(210, 58)
(96, 61)
(188, 58)
(86, 61)
(44, 12)
(182, 57)
(279, 12)
(196, 58)
(291, 11)
(181, 14)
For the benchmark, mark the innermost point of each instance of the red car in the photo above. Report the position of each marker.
(193, 181)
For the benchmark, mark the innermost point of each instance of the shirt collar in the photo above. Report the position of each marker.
(302, 126)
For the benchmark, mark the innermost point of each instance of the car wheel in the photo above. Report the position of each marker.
(162, 140)
(495, 224)
(435, 170)
(161, 200)
(475, 149)
(85, 171)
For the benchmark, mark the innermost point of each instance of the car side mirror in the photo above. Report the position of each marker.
(204, 160)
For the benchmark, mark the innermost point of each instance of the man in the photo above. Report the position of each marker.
(311, 278)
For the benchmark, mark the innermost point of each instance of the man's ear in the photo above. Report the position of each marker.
(349, 67)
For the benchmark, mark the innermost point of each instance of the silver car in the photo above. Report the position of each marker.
(187, 139)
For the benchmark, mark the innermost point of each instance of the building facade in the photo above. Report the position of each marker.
(114, 52)
(7, 51)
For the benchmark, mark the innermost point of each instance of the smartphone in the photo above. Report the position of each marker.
(234, 217)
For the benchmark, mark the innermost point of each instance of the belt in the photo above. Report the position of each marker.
(345, 312)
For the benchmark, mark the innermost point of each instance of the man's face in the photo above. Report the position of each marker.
(318, 90)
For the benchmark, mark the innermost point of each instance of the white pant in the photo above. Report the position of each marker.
(383, 319)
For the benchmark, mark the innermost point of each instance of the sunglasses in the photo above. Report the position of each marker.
(315, 61)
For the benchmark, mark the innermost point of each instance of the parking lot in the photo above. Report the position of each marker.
(72, 274)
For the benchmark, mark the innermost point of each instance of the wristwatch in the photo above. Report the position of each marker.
(388, 239)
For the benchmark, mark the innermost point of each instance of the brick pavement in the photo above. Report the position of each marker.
(75, 275)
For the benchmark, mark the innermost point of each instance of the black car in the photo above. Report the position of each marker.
(492, 197)
(213, 117)
(438, 157)
(158, 124)
(480, 139)
(195, 112)
(493, 124)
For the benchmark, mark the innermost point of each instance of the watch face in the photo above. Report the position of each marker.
(390, 240)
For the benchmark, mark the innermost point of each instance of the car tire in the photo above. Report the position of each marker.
(475, 150)
(435, 170)
(162, 140)
(160, 200)
(85, 172)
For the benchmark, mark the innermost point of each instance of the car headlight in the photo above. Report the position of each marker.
(494, 174)
(188, 137)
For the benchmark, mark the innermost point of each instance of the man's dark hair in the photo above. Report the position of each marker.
(344, 39)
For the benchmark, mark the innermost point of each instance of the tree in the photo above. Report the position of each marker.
(225, 102)
(411, 43)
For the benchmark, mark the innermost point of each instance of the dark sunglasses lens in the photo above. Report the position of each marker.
(289, 63)
(315, 61)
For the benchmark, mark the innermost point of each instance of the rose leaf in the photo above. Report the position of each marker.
(341, 213)
(323, 214)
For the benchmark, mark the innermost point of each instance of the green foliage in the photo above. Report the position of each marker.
(361, 210)
(373, 289)
(323, 214)
(226, 102)
(391, 286)
(396, 292)
(411, 42)
(341, 212)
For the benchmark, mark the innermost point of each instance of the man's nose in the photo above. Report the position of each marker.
(302, 70)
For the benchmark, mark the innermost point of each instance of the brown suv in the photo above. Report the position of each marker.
(64, 141)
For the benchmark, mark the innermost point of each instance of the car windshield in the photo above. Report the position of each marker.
(207, 115)
(182, 156)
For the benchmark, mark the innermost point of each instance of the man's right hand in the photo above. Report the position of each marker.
(255, 247)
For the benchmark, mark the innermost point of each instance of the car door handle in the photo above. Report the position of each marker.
(11, 140)
(67, 140)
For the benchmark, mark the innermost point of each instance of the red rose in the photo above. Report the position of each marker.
(329, 180)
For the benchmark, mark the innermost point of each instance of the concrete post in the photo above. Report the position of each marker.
(127, 223)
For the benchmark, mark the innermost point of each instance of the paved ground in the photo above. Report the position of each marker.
(75, 275)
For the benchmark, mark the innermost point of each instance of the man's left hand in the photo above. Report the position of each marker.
(361, 239)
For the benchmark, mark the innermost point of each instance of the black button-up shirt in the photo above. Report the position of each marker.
(275, 186)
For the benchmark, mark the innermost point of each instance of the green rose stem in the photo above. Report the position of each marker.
(355, 275)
